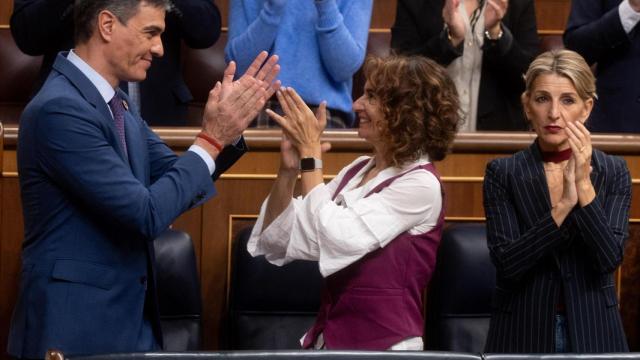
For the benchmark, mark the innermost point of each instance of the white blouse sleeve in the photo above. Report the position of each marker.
(275, 240)
(316, 228)
(345, 233)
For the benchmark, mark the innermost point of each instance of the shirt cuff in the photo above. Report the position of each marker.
(628, 16)
(204, 155)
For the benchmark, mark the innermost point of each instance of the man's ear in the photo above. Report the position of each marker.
(106, 25)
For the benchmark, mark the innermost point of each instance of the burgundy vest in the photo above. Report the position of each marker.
(376, 302)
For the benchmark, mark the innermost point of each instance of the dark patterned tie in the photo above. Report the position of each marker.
(117, 108)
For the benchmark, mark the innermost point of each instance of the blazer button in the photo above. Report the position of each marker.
(143, 280)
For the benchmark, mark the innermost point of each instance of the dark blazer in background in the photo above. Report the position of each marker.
(90, 214)
(534, 258)
(418, 29)
(595, 31)
(45, 27)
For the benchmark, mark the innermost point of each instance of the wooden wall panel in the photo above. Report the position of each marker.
(6, 7)
(11, 234)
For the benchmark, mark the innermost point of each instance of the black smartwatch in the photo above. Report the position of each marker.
(310, 164)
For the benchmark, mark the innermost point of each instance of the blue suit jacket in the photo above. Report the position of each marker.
(537, 261)
(595, 31)
(90, 215)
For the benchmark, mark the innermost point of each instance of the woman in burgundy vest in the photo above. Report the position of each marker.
(375, 228)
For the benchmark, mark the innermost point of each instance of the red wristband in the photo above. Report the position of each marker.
(210, 140)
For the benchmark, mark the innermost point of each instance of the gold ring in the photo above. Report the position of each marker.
(581, 149)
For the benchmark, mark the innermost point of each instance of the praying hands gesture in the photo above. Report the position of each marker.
(577, 186)
(302, 130)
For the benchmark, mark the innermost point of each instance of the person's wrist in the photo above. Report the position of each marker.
(495, 32)
(313, 150)
(288, 172)
(210, 149)
(211, 139)
(453, 38)
(584, 184)
(564, 206)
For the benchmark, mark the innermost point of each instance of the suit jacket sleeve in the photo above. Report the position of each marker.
(407, 37)
(35, 22)
(514, 253)
(199, 21)
(162, 157)
(603, 224)
(594, 32)
(74, 151)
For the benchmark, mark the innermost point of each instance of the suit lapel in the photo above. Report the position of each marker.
(536, 180)
(136, 146)
(92, 96)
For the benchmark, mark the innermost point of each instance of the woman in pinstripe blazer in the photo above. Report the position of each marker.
(557, 218)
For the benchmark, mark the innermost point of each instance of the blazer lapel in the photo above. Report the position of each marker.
(91, 95)
(536, 180)
(136, 146)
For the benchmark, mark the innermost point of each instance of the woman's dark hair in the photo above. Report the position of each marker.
(419, 103)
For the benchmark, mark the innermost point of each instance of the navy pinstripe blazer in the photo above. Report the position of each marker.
(537, 261)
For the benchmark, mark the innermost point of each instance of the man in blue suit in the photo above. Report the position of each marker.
(98, 185)
(45, 27)
(606, 33)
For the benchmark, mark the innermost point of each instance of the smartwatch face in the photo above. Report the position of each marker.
(307, 164)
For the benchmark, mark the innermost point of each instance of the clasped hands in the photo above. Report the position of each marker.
(301, 130)
(493, 14)
(577, 186)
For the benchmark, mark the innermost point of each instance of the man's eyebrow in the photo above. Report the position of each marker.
(153, 28)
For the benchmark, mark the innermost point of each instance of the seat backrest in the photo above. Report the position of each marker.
(178, 291)
(459, 295)
(270, 307)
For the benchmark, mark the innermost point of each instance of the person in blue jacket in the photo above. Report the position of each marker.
(321, 45)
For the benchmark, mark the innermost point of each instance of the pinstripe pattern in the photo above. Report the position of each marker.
(534, 258)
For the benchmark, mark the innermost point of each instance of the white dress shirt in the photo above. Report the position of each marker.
(628, 16)
(465, 70)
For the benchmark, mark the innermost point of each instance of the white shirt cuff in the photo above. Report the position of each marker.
(204, 155)
(628, 16)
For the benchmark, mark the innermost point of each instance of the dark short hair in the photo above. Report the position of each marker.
(85, 13)
(420, 105)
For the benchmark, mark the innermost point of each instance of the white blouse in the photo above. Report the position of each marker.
(338, 233)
